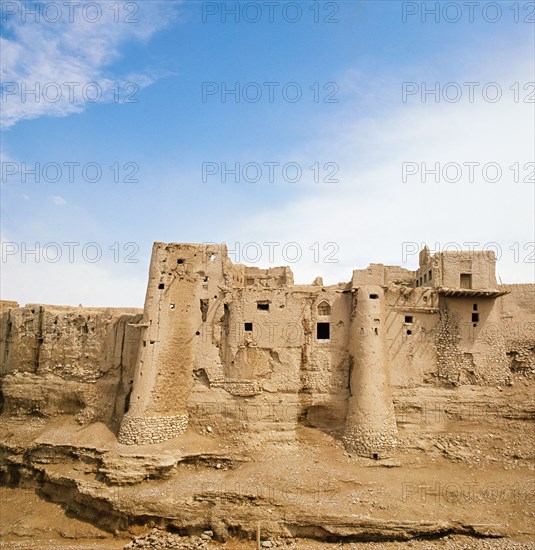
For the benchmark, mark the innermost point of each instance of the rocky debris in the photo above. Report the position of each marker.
(163, 539)
(449, 543)
(158, 538)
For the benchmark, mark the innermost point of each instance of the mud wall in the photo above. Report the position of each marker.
(66, 360)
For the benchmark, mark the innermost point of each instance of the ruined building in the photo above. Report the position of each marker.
(253, 337)
(245, 351)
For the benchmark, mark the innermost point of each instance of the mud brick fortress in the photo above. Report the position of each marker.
(251, 335)
(245, 351)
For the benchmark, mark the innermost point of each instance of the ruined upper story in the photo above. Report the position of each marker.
(464, 270)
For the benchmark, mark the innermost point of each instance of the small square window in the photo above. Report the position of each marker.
(161, 286)
(374, 296)
(323, 331)
(408, 319)
(409, 332)
(248, 327)
(262, 306)
(180, 261)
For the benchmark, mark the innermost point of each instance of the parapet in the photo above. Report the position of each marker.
(275, 277)
(382, 275)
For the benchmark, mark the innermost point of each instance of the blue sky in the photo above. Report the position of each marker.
(362, 207)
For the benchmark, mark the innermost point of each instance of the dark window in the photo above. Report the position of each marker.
(262, 306)
(374, 296)
(430, 274)
(417, 283)
(475, 317)
(409, 332)
(180, 261)
(323, 331)
(205, 303)
(425, 278)
(475, 307)
(248, 327)
(161, 286)
(408, 318)
(375, 456)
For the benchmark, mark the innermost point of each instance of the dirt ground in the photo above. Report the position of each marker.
(313, 476)
(450, 478)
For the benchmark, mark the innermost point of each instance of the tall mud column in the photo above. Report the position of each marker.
(170, 330)
(370, 424)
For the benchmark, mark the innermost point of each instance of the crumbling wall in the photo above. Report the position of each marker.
(411, 318)
(379, 274)
(261, 367)
(471, 352)
(67, 360)
(518, 322)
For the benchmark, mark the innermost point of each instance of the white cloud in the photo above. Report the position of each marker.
(53, 273)
(372, 212)
(67, 61)
(58, 201)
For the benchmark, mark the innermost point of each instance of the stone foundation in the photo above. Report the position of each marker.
(151, 429)
(371, 443)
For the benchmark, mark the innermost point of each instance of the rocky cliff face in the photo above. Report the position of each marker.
(67, 361)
